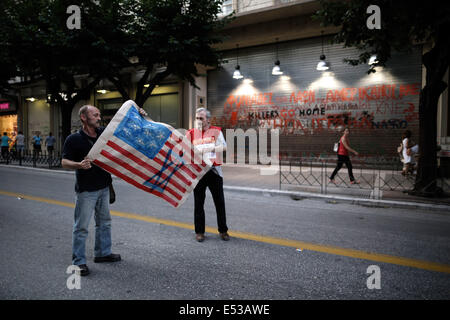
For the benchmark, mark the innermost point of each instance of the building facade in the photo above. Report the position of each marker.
(310, 107)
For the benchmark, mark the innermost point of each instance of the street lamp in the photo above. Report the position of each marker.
(323, 65)
(373, 59)
(237, 73)
(276, 70)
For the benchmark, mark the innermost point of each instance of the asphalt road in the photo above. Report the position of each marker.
(280, 248)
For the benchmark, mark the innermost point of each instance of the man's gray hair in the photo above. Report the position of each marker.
(84, 110)
(207, 112)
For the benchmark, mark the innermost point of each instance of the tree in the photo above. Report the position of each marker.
(167, 38)
(37, 43)
(403, 25)
(8, 71)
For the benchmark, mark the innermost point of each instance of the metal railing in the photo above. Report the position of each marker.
(32, 158)
(376, 178)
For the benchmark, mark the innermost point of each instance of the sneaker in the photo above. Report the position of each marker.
(84, 270)
(354, 182)
(200, 237)
(225, 236)
(109, 258)
(332, 181)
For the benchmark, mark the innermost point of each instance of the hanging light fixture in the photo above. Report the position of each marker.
(237, 73)
(276, 70)
(373, 59)
(323, 64)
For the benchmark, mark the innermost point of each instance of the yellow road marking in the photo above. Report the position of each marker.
(401, 261)
(39, 199)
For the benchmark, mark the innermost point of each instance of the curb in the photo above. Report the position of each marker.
(343, 199)
(36, 168)
(298, 195)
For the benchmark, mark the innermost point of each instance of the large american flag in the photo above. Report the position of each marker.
(151, 156)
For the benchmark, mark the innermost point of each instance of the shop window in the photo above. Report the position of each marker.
(8, 124)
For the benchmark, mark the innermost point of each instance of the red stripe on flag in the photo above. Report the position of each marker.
(177, 174)
(131, 156)
(187, 149)
(171, 146)
(135, 183)
(183, 167)
(108, 155)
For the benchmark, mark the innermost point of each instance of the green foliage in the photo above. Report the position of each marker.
(404, 23)
(176, 33)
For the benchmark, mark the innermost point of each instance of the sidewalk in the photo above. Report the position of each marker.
(263, 180)
(257, 179)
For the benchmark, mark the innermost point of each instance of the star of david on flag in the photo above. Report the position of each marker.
(151, 156)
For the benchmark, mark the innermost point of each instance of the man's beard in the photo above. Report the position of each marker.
(94, 124)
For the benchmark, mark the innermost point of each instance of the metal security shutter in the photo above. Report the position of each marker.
(312, 107)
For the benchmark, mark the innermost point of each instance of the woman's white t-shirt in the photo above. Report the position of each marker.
(406, 158)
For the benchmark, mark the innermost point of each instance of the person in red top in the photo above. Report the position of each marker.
(210, 141)
(343, 157)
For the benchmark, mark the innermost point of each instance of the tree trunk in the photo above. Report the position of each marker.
(120, 87)
(66, 119)
(436, 62)
(427, 173)
(68, 105)
(141, 97)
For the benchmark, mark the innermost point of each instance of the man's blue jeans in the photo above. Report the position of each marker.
(86, 204)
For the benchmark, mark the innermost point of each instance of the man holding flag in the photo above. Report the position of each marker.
(92, 191)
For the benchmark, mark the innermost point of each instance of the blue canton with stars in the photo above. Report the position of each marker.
(145, 136)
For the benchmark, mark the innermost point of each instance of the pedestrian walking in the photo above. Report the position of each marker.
(50, 142)
(408, 151)
(5, 146)
(343, 157)
(209, 139)
(36, 144)
(20, 143)
(92, 192)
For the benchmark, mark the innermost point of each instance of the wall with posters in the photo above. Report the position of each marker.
(310, 107)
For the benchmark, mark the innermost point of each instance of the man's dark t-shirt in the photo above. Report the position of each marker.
(76, 147)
